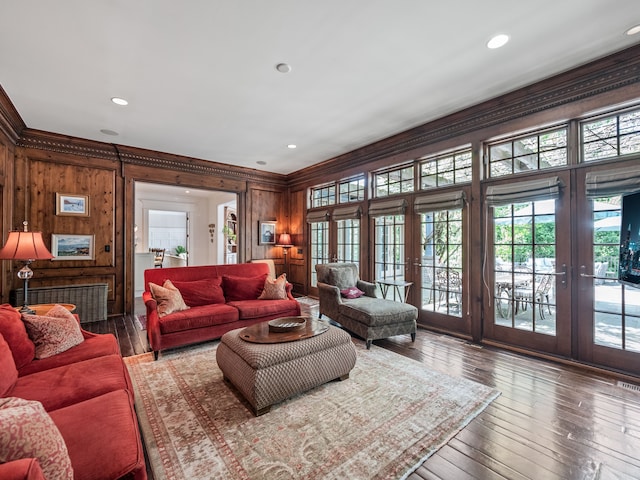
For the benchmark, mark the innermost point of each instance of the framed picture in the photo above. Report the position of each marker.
(267, 232)
(72, 204)
(72, 247)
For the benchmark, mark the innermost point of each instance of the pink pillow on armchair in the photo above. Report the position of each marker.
(351, 292)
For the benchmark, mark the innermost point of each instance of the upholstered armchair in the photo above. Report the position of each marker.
(367, 316)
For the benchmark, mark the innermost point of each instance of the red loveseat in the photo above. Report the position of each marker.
(85, 391)
(220, 298)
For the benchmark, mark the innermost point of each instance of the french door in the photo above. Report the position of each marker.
(608, 312)
(527, 265)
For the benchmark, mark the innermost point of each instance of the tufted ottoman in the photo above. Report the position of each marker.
(266, 374)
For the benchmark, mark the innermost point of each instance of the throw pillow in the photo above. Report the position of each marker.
(275, 289)
(168, 297)
(201, 292)
(53, 333)
(15, 333)
(242, 288)
(28, 431)
(8, 371)
(351, 292)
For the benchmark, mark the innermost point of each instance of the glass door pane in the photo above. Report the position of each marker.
(389, 254)
(319, 243)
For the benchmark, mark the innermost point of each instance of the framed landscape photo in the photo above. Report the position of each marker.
(267, 232)
(72, 204)
(72, 247)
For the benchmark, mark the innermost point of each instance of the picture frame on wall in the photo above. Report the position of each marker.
(72, 247)
(72, 204)
(267, 233)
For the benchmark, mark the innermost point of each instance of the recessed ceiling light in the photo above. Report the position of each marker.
(283, 67)
(633, 30)
(498, 41)
(261, 162)
(292, 146)
(119, 101)
(106, 131)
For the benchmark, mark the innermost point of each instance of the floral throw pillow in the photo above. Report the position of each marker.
(29, 432)
(275, 289)
(55, 332)
(168, 297)
(351, 292)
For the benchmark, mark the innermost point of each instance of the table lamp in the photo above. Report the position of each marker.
(27, 246)
(284, 241)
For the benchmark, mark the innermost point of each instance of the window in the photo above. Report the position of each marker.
(542, 150)
(441, 242)
(393, 182)
(445, 169)
(611, 136)
(349, 241)
(324, 195)
(389, 254)
(319, 235)
(351, 190)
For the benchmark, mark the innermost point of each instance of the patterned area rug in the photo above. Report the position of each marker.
(141, 322)
(381, 423)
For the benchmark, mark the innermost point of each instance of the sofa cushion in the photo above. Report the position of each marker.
(24, 469)
(94, 345)
(198, 317)
(377, 311)
(102, 436)
(242, 288)
(58, 387)
(275, 289)
(53, 333)
(201, 292)
(28, 431)
(266, 308)
(168, 297)
(15, 333)
(8, 370)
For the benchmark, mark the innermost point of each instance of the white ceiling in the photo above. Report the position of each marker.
(201, 80)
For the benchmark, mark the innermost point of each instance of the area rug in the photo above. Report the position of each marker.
(381, 423)
(141, 322)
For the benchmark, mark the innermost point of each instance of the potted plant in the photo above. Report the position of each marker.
(181, 251)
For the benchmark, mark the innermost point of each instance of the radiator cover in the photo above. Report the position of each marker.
(90, 299)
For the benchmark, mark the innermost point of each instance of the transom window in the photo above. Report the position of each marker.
(351, 190)
(611, 136)
(446, 169)
(539, 151)
(323, 195)
(393, 182)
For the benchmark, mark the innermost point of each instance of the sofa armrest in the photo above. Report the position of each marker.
(369, 289)
(153, 320)
(23, 469)
(329, 300)
(289, 289)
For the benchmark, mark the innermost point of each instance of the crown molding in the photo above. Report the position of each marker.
(52, 142)
(601, 76)
(11, 123)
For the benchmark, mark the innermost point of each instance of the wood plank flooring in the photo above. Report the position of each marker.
(552, 421)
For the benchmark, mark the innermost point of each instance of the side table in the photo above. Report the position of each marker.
(397, 284)
(43, 308)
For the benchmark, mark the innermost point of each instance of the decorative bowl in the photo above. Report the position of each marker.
(287, 324)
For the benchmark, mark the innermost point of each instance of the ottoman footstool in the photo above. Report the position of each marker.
(266, 374)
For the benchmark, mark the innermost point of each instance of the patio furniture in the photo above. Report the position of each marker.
(367, 316)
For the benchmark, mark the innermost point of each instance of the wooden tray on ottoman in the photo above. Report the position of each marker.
(262, 333)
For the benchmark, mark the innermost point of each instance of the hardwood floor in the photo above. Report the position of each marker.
(552, 421)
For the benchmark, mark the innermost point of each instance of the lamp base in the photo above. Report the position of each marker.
(26, 310)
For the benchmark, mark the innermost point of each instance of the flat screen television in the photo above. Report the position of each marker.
(629, 270)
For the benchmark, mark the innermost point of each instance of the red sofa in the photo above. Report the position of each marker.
(220, 298)
(86, 391)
